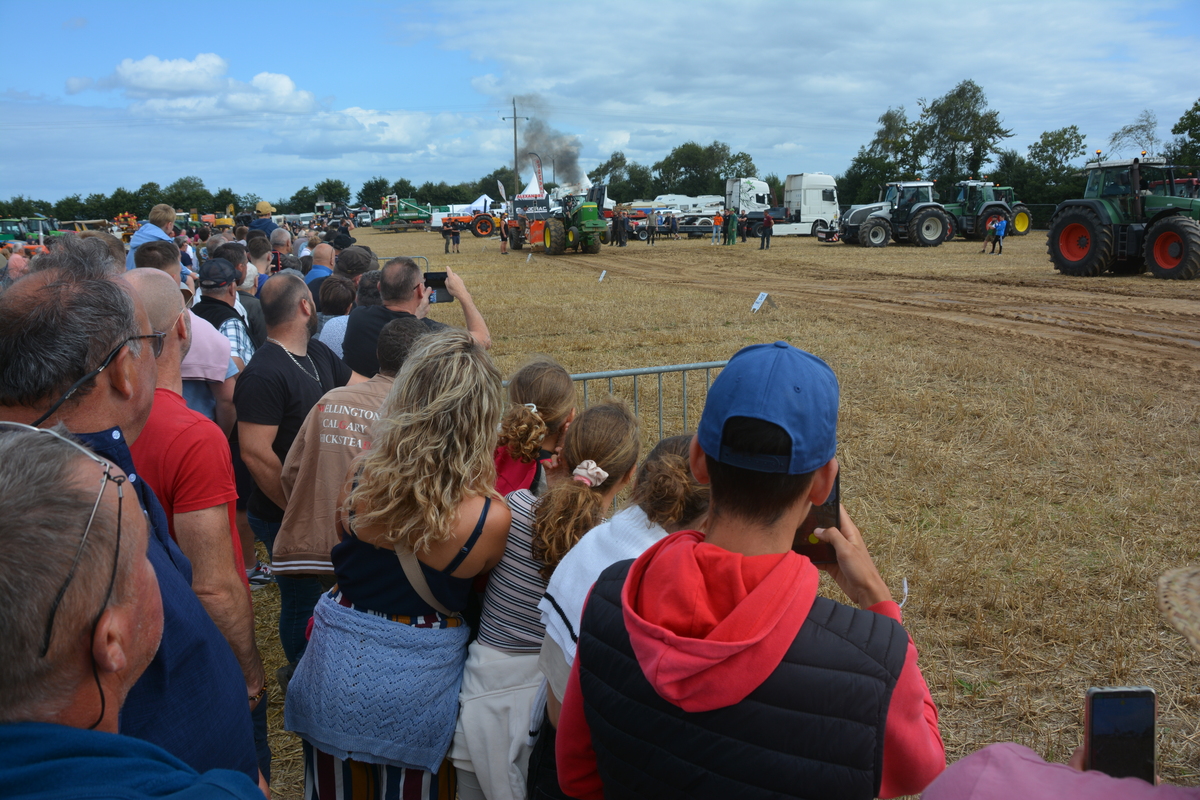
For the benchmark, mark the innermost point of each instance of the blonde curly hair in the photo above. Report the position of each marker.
(543, 383)
(432, 445)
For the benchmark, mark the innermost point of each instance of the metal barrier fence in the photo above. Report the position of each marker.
(669, 414)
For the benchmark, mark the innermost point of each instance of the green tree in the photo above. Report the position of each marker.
(1141, 134)
(861, 181)
(776, 185)
(372, 190)
(122, 200)
(1185, 148)
(304, 201)
(610, 171)
(1055, 151)
(487, 184)
(957, 133)
(70, 207)
(693, 169)
(187, 193)
(223, 198)
(639, 182)
(404, 189)
(249, 201)
(148, 196)
(96, 207)
(897, 142)
(22, 206)
(333, 190)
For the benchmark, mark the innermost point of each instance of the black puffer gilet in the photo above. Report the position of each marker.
(813, 729)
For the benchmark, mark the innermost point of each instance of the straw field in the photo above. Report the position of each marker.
(1021, 447)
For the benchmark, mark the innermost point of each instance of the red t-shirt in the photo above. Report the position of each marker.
(185, 459)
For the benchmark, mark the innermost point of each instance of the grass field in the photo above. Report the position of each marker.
(1022, 447)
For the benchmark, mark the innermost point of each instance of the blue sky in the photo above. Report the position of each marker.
(266, 97)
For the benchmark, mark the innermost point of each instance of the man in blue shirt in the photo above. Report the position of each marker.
(76, 348)
(263, 221)
(79, 630)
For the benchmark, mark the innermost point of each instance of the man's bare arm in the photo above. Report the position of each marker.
(226, 410)
(475, 323)
(265, 467)
(205, 538)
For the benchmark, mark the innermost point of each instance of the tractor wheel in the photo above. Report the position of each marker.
(1079, 243)
(951, 227)
(1173, 248)
(515, 241)
(554, 236)
(643, 234)
(985, 219)
(1021, 221)
(927, 228)
(483, 226)
(592, 245)
(875, 232)
(756, 230)
(573, 238)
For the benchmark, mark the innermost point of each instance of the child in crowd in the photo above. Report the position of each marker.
(502, 677)
(541, 407)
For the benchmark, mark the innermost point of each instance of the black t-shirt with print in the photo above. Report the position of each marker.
(362, 336)
(275, 390)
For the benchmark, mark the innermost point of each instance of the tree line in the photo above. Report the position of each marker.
(954, 137)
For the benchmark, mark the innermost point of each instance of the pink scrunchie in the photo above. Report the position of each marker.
(587, 472)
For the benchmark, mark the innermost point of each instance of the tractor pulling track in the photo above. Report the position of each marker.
(1133, 324)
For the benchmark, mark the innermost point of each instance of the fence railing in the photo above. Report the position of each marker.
(673, 415)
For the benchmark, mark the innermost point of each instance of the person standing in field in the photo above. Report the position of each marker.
(768, 225)
(651, 228)
(731, 227)
(998, 236)
(718, 220)
(990, 236)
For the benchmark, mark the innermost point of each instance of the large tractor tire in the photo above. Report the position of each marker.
(875, 232)
(951, 227)
(984, 220)
(515, 240)
(928, 227)
(554, 236)
(1021, 222)
(483, 226)
(1079, 243)
(1173, 249)
(592, 244)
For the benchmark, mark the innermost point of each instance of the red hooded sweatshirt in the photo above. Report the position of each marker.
(708, 626)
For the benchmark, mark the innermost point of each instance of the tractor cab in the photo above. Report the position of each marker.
(13, 229)
(904, 197)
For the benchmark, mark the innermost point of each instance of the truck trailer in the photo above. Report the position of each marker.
(809, 203)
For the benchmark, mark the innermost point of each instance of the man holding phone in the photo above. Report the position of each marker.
(405, 294)
(709, 667)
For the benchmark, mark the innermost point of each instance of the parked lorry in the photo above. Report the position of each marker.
(907, 211)
(810, 203)
(402, 214)
(978, 204)
(1133, 217)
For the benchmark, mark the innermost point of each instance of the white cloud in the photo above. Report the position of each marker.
(154, 77)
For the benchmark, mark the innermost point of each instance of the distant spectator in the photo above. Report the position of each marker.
(350, 263)
(718, 221)
(306, 265)
(263, 258)
(281, 241)
(322, 260)
(161, 225)
(15, 269)
(768, 227)
(262, 221)
(185, 252)
(404, 295)
(333, 332)
(240, 233)
(247, 305)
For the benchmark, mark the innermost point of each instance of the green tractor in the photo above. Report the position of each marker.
(1133, 216)
(576, 224)
(978, 204)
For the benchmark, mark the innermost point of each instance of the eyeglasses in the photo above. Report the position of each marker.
(105, 479)
(156, 346)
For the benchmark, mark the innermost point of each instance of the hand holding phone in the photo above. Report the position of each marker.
(436, 282)
(1119, 731)
(826, 515)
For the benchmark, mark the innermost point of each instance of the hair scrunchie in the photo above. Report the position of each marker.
(588, 473)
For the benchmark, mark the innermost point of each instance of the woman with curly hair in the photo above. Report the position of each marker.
(598, 458)
(375, 696)
(541, 407)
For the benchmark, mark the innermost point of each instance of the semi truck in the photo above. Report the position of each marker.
(810, 203)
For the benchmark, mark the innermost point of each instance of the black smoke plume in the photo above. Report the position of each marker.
(559, 151)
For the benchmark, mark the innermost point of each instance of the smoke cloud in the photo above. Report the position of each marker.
(559, 151)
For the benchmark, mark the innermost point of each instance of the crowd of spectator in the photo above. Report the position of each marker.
(461, 611)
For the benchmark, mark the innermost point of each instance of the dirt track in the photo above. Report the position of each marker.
(1131, 324)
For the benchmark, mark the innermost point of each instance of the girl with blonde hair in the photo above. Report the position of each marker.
(491, 750)
(541, 407)
(375, 696)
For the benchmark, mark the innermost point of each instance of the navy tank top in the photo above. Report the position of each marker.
(372, 579)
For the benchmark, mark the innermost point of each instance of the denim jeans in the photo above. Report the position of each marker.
(264, 531)
(298, 595)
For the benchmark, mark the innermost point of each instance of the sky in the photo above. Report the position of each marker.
(267, 97)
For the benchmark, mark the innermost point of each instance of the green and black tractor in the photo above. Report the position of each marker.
(577, 224)
(977, 204)
(907, 211)
(1134, 216)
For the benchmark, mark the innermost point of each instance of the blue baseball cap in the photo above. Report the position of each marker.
(780, 384)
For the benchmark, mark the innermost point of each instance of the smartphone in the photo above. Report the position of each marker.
(1119, 734)
(436, 281)
(826, 515)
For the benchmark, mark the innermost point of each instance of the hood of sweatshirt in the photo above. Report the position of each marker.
(707, 625)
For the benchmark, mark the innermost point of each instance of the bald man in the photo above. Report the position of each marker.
(322, 266)
(185, 458)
